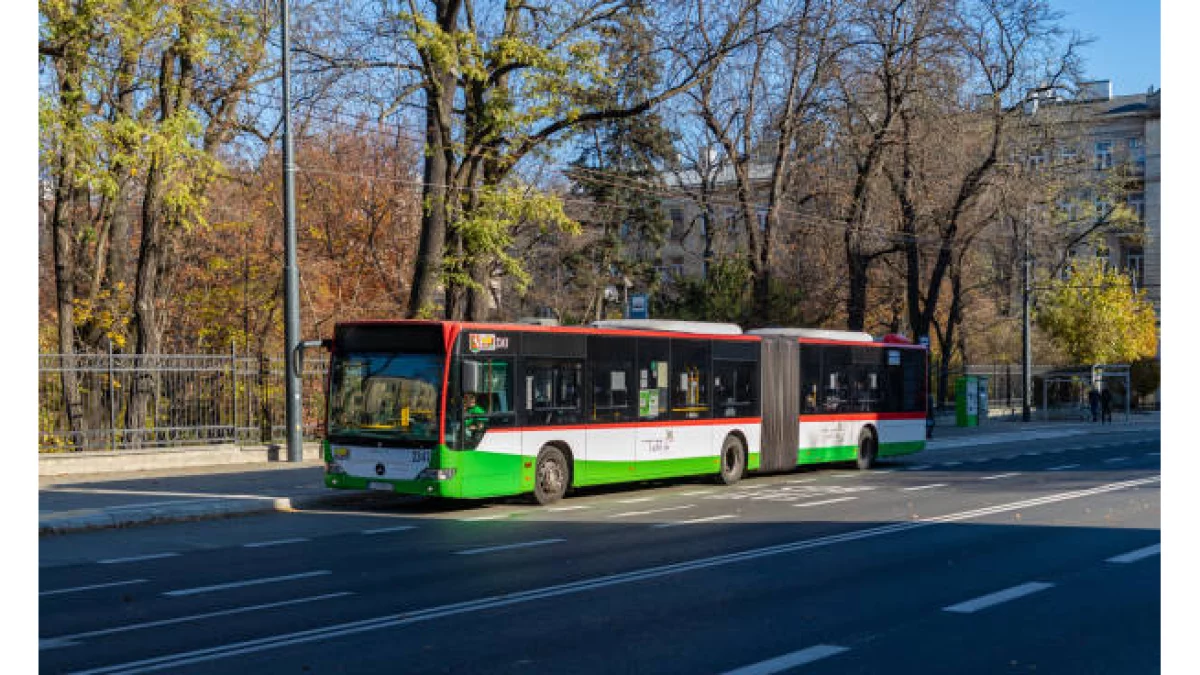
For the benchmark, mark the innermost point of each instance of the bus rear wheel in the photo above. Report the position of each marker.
(733, 460)
(868, 450)
(551, 475)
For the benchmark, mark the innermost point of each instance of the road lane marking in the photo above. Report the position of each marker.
(695, 493)
(385, 530)
(1031, 454)
(826, 501)
(1001, 475)
(876, 472)
(276, 542)
(1064, 467)
(648, 512)
(77, 589)
(136, 558)
(341, 631)
(787, 661)
(924, 487)
(1152, 454)
(951, 463)
(1134, 556)
(693, 521)
(479, 518)
(68, 640)
(508, 547)
(241, 584)
(802, 480)
(1115, 459)
(985, 601)
(577, 507)
(846, 475)
(920, 467)
(635, 501)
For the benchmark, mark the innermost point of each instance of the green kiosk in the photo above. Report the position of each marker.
(970, 398)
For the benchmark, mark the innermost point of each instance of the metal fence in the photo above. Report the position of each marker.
(192, 399)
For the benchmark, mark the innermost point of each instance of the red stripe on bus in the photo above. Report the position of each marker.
(633, 425)
(857, 417)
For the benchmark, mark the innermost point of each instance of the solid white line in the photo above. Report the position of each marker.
(696, 492)
(578, 507)
(340, 631)
(920, 467)
(1001, 475)
(1063, 467)
(781, 663)
(506, 547)
(182, 619)
(985, 601)
(924, 487)
(93, 587)
(136, 558)
(1116, 459)
(1134, 556)
(826, 501)
(240, 584)
(644, 513)
(639, 500)
(384, 530)
(277, 542)
(709, 519)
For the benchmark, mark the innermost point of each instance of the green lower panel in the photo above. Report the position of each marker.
(846, 453)
(599, 473)
(903, 448)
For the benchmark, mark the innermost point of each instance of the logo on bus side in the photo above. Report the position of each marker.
(487, 342)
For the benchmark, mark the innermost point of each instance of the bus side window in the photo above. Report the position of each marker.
(691, 368)
(553, 391)
(810, 378)
(613, 379)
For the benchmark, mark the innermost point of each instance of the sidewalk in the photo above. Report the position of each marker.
(72, 503)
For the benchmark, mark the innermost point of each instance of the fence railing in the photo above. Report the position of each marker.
(192, 399)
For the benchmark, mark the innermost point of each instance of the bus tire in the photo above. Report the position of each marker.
(552, 474)
(868, 449)
(733, 460)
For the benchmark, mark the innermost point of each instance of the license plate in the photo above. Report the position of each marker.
(376, 485)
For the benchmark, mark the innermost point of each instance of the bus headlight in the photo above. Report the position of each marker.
(436, 474)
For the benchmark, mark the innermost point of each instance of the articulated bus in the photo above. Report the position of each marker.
(469, 410)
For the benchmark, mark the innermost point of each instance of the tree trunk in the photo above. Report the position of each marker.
(64, 284)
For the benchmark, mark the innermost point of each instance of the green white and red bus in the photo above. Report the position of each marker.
(471, 410)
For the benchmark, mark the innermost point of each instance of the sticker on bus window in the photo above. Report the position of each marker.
(648, 403)
(482, 342)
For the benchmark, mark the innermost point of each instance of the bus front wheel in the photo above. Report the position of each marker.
(733, 460)
(868, 450)
(551, 475)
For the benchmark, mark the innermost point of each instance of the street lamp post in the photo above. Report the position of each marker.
(1026, 346)
(291, 276)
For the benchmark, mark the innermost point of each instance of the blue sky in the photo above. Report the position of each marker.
(1127, 42)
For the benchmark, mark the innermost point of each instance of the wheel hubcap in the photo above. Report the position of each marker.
(550, 476)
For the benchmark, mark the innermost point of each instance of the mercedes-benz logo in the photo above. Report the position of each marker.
(379, 469)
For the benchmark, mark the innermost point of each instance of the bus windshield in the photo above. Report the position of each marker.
(390, 397)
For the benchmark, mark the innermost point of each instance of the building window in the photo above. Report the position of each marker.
(1037, 160)
(1135, 266)
(1137, 154)
(1104, 156)
(677, 227)
(762, 219)
(1137, 204)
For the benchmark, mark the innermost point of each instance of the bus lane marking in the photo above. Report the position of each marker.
(342, 630)
(508, 547)
(693, 521)
(991, 599)
(1134, 556)
(93, 587)
(789, 661)
(241, 584)
(136, 558)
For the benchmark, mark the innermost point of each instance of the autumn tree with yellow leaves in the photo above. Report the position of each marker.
(1095, 316)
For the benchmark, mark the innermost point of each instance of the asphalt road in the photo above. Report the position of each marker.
(1010, 557)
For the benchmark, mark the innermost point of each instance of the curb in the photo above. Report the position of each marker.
(81, 521)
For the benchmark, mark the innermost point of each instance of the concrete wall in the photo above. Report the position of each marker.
(62, 464)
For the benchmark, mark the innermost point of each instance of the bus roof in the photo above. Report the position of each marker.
(816, 333)
(671, 326)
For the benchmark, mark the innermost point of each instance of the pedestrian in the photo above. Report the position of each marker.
(1106, 407)
(929, 419)
(1094, 403)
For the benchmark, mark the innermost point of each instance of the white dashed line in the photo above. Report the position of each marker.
(695, 493)
(788, 661)
(92, 587)
(277, 542)
(507, 547)
(137, 558)
(951, 463)
(1134, 556)
(648, 512)
(241, 584)
(826, 501)
(638, 500)
(985, 601)
(1064, 467)
(693, 521)
(875, 472)
(802, 480)
(1115, 459)
(558, 509)
(479, 518)
(924, 487)
(1002, 475)
(1152, 454)
(920, 467)
(385, 530)
(1031, 454)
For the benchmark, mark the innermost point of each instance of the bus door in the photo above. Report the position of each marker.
(612, 414)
